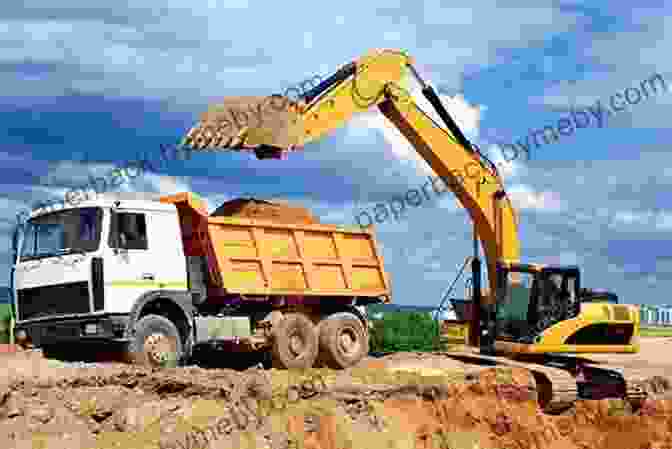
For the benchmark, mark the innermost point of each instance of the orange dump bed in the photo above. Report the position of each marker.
(252, 256)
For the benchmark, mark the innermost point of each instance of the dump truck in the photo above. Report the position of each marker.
(159, 277)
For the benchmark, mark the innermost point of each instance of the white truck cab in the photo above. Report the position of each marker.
(82, 270)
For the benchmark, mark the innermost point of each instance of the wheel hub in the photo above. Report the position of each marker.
(347, 342)
(296, 345)
(158, 348)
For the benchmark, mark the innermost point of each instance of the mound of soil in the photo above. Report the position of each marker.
(278, 212)
(420, 403)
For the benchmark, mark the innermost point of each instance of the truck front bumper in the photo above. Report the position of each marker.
(70, 330)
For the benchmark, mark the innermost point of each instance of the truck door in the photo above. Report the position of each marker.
(130, 268)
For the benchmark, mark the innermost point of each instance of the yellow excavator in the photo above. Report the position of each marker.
(531, 316)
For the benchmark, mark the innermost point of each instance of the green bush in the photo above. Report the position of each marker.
(5, 320)
(404, 331)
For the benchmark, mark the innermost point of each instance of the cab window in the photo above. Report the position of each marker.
(129, 231)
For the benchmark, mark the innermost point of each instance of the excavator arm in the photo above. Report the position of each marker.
(378, 79)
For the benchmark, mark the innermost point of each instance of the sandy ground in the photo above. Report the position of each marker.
(400, 401)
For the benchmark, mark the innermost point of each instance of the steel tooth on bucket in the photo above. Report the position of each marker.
(209, 133)
(193, 132)
(223, 140)
(236, 142)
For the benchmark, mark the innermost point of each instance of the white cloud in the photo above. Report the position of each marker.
(429, 243)
(645, 220)
(508, 169)
(627, 59)
(526, 198)
(168, 185)
(664, 221)
(466, 115)
(631, 217)
(184, 50)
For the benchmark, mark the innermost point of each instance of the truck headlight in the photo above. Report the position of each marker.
(91, 328)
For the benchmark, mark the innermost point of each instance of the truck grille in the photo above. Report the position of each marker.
(53, 300)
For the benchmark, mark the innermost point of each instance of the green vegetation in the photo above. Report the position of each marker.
(403, 331)
(656, 331)
(6, 314)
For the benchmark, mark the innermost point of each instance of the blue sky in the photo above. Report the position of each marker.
(86, 87)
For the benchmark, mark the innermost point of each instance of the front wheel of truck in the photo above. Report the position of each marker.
(156, 342)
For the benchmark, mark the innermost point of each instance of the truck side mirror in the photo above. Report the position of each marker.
(114, 232)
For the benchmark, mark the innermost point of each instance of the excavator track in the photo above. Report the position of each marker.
(561, 380)
(557, 389)
(638, 383)
(605, 380)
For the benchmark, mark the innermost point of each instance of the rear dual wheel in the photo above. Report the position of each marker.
(344, 341)
(340, 341)
(295, 343)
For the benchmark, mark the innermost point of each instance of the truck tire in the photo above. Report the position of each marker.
(156, 342)
(295, 343)
(343, 341)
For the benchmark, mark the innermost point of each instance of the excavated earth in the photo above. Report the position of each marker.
(401, 401)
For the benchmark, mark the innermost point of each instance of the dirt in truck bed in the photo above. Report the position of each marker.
(404, 400)
(276, 211)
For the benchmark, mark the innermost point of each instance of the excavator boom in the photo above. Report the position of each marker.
(379, 79)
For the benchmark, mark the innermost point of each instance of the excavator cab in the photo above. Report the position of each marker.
(532, 298)
(543, 309)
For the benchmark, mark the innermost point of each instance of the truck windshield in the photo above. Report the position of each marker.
(60, 233)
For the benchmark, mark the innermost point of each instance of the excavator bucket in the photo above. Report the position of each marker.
(266, 125)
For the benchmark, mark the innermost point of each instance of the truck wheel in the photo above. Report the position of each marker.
(295, 343)
(343, 341)
(156, 343)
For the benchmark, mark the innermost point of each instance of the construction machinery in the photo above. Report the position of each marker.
(532, 315)
(158, 279)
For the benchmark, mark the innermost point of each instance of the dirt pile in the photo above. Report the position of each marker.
(379, 404)
(278, 212)
(612, 424)
(493, 412)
